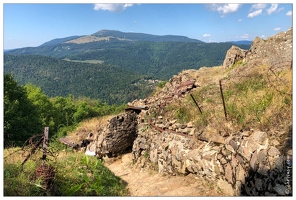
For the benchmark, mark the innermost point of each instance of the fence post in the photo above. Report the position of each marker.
(196, 104)
(221, 91)
(45, 143)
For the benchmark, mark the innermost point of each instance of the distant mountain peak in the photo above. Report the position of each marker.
(133, 36)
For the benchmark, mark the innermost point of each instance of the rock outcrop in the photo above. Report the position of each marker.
(233, 55)
(274, 51)
(117, 137)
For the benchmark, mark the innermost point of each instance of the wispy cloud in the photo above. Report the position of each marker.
(113, 7)
(258, 6)
(257, 9)
(272, 8)
(277, 29)
(255, 13)
(289, 13)
(206, 35)
(224, 8)
(245, 36)
(240, 20)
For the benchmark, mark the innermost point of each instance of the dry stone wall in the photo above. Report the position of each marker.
(246, 163)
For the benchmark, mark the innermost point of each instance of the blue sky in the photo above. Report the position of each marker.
(32, 24)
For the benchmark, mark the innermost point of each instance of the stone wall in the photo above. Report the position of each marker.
(246, 163)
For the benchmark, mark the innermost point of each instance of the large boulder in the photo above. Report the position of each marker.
(118, 136)
(233, 55)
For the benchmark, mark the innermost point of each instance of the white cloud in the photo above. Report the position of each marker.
(206, 35)
(272, 8)
(113, 7)
(257, 9)
(245, 36)
(263, 36)
(277, 29)
(225, 8)
(255, 13)
(258, 6)
(289, 13)
(240, 20)
(228, 8)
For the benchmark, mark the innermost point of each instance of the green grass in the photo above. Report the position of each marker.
(76, 175)
(253, 99)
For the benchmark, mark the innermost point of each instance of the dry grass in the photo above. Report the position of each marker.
(89, 126)
(87, 39)
(256, 96)
(13, 155)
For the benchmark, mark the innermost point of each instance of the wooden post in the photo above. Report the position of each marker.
(45, 143)
(221, 91)
(196, 104)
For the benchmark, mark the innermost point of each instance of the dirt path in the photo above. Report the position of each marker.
(146, 182)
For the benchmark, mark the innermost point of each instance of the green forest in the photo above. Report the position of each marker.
(27, 110)
(57, 77)
(115, 72)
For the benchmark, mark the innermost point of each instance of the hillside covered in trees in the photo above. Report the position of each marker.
(57, 77)
(113, 66)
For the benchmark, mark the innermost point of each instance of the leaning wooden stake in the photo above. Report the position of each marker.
(45, 144)
(196, 104)
(225, 113)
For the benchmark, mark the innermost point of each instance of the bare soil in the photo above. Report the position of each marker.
(148, 182)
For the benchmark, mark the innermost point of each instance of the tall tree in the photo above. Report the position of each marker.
(43, 105)
(21, 119)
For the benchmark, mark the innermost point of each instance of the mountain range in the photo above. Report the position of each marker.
(71, 62)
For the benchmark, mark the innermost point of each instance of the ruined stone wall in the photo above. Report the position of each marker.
(245, 163)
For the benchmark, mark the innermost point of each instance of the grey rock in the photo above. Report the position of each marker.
(245, 152)
(251, 145)
(234, 145)
(280, 189)
(263, 169)
(228, 173)
(262, 156)
(260, 137)
(240, 174)
(254, 161)
(273, 152)
(233, 55)
(258, 184)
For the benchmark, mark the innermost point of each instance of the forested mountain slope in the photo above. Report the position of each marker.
(126, 62)
(57, 77)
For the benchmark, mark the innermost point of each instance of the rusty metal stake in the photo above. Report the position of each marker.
(221, 91)
(196, 104)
